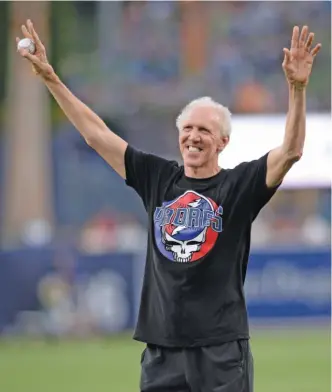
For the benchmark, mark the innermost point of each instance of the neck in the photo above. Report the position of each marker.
(201, 172)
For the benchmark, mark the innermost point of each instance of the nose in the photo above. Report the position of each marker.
(194, 135)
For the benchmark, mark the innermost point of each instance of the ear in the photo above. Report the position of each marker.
(224, 140)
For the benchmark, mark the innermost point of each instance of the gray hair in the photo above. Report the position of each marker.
(223, 114)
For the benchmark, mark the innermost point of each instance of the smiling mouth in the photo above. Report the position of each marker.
(194, 149)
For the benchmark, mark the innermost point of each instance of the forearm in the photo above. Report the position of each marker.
(79, 114)
(295, 125)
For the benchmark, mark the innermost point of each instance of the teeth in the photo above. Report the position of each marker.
(183, 260)
(193, 149)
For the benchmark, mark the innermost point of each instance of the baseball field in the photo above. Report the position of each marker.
(285, 361)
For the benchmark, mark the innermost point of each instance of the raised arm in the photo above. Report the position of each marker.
(95, 132)
(297, 66)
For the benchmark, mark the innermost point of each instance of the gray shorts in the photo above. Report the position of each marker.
(227, 367)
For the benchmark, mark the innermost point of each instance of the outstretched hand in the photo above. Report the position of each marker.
(298, 61)
(38, 60)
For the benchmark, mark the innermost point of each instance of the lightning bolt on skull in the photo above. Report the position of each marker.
(183, 250)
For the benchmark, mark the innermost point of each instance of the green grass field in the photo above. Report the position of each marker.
(285, 361)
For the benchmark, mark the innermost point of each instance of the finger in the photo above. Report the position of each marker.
(26, 32)
(23, 52)
(287, 56)
(303, 36)
(28, 24)
(295, 37)
(35, 36)
(316, 49)
(17, 40)
(309, 41)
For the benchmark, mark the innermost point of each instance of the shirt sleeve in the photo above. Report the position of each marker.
(145, 173)
(256, 193)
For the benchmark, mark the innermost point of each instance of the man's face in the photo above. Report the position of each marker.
(200, 137)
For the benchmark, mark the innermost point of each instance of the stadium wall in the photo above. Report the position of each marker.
(43, 292)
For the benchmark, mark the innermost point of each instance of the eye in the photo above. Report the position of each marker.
(204, 130)
(186, 128)
(193, 243)
(172, 243)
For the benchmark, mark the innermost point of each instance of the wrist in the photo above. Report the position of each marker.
(51, 78)
(297, 86)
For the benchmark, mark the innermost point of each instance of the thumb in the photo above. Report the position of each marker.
(287, 56)
(32, 58)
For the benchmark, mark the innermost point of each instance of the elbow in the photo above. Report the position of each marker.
(294, 156)
(95, 138)
(91, 142)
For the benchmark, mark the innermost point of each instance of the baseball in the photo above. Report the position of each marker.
(28, 44)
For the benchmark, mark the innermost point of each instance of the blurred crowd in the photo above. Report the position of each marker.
(300, 218)
(150, 52)
(139, 62)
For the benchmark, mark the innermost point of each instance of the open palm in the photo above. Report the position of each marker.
(298, 61)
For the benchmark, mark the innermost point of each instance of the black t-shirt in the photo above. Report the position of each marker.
(198, 248)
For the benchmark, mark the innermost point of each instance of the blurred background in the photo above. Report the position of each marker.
(73, 235)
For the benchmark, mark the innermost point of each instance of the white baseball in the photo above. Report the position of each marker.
(28, 44)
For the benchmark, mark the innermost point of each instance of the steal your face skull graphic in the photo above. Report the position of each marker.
(187, 228)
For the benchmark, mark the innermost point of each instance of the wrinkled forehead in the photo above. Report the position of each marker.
(201, 116)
